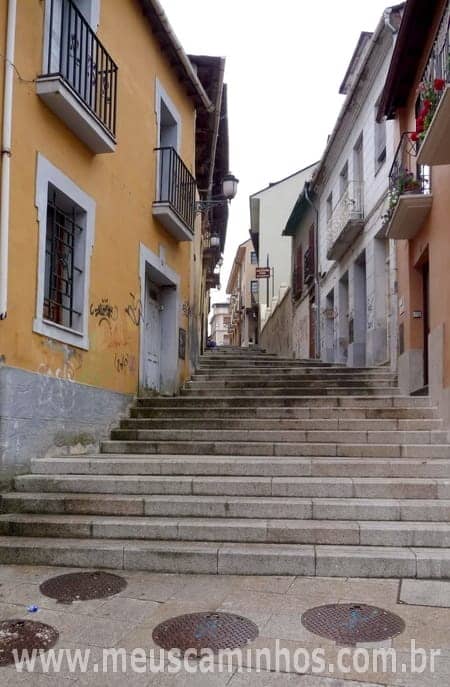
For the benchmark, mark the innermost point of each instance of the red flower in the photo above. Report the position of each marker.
(439, 84)
(414, 136)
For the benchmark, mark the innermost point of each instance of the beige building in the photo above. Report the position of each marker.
(243, 288)
(220, 324)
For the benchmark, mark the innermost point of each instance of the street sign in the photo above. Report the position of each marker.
(263, 272)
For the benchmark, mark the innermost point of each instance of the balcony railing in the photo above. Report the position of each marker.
(175, 198)
(76, 55)
(346, 221)
(433, 120)
(409, 191)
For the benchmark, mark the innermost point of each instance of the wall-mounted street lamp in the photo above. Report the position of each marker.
(229, 190)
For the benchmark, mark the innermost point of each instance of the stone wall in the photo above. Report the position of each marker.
(276, 336)
(43, 415)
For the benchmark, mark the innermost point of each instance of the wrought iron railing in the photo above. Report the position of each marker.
(436, 75)
(308, 268)
(176, 185)
(350, 208)
(76, 54)
(406, 176)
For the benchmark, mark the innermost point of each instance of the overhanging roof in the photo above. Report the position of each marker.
(418, 19)
(178, 59)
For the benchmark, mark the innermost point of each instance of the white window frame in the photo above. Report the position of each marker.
(47, 173)
(162, 96)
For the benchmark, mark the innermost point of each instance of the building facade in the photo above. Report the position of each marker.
(269, 211)
(220, 324)
(417, 95)
(101, 245)
(343, 266)
(243, 289)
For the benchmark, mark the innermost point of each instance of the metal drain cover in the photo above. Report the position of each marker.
(351, 624)
(82, 586)
(24, 635)
(200, 631)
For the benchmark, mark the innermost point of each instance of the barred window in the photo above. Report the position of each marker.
(64, 261)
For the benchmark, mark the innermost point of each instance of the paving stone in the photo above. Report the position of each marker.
(425, 593)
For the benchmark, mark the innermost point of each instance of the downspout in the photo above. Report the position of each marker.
(316, 266)
(6, 155)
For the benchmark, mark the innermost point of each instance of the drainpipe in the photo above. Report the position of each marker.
(6, 155)
(316, 266)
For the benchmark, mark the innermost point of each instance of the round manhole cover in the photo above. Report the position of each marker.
(82, 586)
(21, 635)
(201, 631)
(351, 624)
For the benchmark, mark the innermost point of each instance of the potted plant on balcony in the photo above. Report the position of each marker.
(430, 93)
(405, 183)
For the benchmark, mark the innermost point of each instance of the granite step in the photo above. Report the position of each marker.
(228, 558)
(282, 448)
(240, 507)
(128, 464)
(248, 413)
(260, 530)
(206, 485)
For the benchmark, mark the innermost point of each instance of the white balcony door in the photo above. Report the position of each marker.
(152, 337)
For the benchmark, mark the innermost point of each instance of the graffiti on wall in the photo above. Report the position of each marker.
(124, 362)
(104, 312)
(59, 366)
(134, 310)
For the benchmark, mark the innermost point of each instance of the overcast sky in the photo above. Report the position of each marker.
(285, 61)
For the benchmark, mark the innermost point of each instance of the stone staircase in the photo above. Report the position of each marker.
(261, 465)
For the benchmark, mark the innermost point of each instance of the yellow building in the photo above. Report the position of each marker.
(102, 280)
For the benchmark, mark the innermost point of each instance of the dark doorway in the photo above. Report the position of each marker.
(426, 317)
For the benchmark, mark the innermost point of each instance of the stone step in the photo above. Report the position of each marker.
(302, 487)
(328, 401)
(264, 381)
(290, 379)
(270, 531)
(234, 423)
(241, 507)
(232, 558)
(274, 413)
(271, 436)
(211, 390)
(301, 372)
(284, 448)
(241, 466)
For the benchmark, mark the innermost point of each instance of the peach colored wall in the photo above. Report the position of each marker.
(434, 237)
(122, 184)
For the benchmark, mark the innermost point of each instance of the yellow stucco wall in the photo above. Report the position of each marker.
(123, 186)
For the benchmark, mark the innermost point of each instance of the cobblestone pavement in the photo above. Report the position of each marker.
(275, 604)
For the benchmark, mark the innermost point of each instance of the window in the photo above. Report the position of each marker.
(226, 320)
(329, 207)
(253, 258)
(64, 261)
(298, 272)
(254, 290)
(380, 141)
(66, 217)
(343, 179)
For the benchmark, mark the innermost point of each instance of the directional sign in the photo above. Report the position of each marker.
(263, 272)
